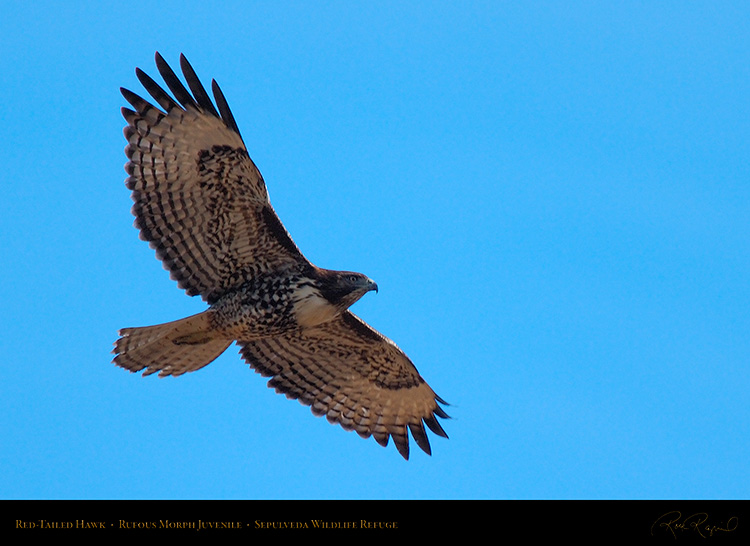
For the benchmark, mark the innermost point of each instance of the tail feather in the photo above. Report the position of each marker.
(172, 348)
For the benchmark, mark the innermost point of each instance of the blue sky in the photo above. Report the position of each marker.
(553, 197)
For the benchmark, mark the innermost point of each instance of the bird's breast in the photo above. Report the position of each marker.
(312, 309)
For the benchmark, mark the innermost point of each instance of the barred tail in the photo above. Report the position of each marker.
(172, 348)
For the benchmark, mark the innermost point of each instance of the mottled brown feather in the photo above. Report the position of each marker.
(354, 376)
(199, 200)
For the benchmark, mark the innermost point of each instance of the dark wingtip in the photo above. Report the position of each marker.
(434, 425)
(440, 400)
(195, 85)
(420, 436)
(223, 105)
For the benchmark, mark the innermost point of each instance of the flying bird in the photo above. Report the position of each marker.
(201, 203)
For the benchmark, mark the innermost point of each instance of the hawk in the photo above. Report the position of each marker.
(201, 203)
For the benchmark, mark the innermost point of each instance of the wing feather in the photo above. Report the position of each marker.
(156, 91)
(221, 102)
(174, 83)
(199, 200)
(199, 92)
(354, 376)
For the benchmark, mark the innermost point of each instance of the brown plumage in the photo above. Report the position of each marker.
(202, 204)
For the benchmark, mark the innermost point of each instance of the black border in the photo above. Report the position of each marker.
(673, 521)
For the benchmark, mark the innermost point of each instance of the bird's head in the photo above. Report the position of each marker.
(343, 288)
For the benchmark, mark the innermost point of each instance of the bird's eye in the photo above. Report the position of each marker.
(353, 278)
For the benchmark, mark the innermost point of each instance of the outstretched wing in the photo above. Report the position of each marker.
(199, 199)
(354, 376)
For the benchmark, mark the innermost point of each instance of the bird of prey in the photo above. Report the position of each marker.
(202, 204)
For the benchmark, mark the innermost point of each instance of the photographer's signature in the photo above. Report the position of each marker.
(674, 523)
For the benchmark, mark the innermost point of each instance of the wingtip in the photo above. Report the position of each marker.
(159, 59)
(403, 450)
(434, 425)
(420, 437)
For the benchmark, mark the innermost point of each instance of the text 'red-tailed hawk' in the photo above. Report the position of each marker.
(203, 206)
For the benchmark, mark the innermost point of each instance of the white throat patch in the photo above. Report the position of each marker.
(311, 308)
